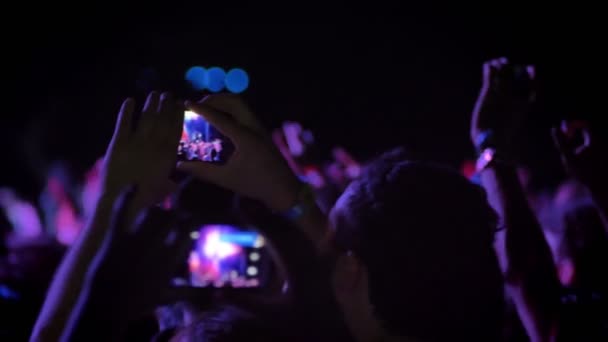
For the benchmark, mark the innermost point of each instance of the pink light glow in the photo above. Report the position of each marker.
(214, 248)
(194, 262)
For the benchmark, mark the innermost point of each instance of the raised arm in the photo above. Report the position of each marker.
(143, 154)
(521, 247)
(130, 274)
(584, 155)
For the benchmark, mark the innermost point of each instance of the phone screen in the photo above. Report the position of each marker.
(200, 141)
(226, 255)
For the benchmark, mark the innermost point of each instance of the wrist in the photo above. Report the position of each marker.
(483, 139)
(306, 215)
(303, 204)
(286, 198)
(491, 157)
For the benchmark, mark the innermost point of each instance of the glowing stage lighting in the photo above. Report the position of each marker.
(254, 256)
(252, 271)
(245, 239)
(197, 76)
(237, 80)
(215, 80)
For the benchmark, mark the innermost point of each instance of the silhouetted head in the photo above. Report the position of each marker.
(417, 243)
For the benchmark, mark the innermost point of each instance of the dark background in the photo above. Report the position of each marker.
(366, 78)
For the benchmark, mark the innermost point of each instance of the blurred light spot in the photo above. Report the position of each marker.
(195, 235)
(252, 270)
(468, 168)
(194, 262)
(7, 293)
(197, 76)
(190, 115)
(214, 248)
(237, 80)
(245, 239)
(215, 80)
(254, 256)
(259, 242)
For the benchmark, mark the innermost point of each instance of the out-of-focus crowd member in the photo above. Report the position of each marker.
(28, 260)
(583, 153)
(584, 311)
(584, 315)
(329, 179)
(26, 269)
(21, 214)
(61, 213)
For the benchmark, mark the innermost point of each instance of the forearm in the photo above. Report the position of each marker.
(526, 247)
(314, 224)
(94, 318)
(300, 201)
(525, 256)
(70, 276)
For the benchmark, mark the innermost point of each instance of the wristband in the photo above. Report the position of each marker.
(485, 159)
(484, 140)
(305, 202)
(313, 177)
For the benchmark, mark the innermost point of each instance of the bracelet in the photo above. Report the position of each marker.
(484, 140)
(305, 202)
(312, 176)
(486, 157)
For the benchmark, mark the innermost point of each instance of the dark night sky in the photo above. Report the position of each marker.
(367, 79)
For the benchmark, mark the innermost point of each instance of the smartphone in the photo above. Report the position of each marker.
(228, 256)
(200, 141)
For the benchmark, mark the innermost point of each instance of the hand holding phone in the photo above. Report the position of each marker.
(256, 169)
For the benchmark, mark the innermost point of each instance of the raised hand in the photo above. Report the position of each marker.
(144, 152)
(298, 148)
(581, 151)
(21, 214)
(256, 169)
(505, 99)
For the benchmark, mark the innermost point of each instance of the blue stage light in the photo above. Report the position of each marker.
(197, 76)
(237, 80)
(215, 80)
